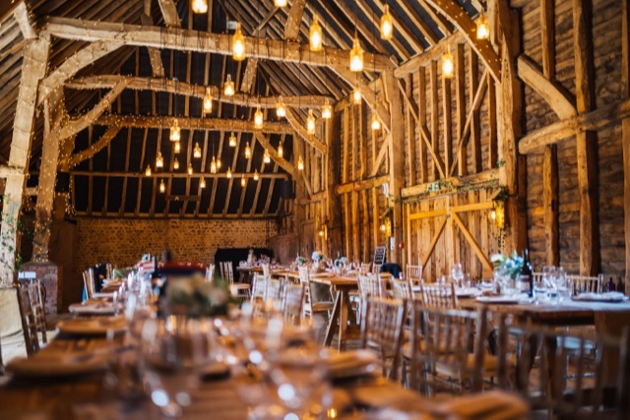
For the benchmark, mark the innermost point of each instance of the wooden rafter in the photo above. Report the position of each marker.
(294, 19)
(264, 142)
(190, 40)
(24, 21)
(301, 131)
(94, 148)
(169, 11)
(169, 175)
(154, 54)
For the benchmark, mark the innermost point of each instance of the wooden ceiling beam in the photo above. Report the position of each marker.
(190, 123)
(266, 144)
(302, 132)
(169, 11)
(23, 18)
(200, 41)
(294, 20)
(154, 54)
(198, 91)
(184, 174)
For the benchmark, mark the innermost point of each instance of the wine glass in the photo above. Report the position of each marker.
(457, 274)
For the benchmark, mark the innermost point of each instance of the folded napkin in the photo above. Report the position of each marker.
(599, 297)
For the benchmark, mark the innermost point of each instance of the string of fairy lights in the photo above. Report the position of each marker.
(316, 44)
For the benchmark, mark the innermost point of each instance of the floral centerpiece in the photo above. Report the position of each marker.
(508, 266)
(194, 296)
(341, 262)
(317, 256)
(300, 261)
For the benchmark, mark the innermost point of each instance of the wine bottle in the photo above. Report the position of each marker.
(620, 286)
(525, 280)
(610, 286)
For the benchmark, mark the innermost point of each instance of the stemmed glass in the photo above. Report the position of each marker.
(457, 274)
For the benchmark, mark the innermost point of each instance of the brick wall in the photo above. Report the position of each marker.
(123, 241)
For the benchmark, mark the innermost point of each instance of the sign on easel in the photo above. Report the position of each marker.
(380, 255)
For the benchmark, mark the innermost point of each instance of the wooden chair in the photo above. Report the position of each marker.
(312, 307)
(210, 273)
(586, 284)
(240, 291)
(274, 292)
(90, 287)
(259, 289)
(376, 269)
(31, 321)
(401, 288)
(292, 305)
(370, 285)
(438, 295)
(365, 268)
(414, 273)
(382, 323)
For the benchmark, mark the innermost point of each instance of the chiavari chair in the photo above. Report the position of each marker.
(365, 268)
(438, 295)
(376, 268)
(586, 284)
(210, 273)
(29, 317)
(311, 306)
(240, 291)
(401, 288)
(414, 273)
(382, 323)
(293, 302)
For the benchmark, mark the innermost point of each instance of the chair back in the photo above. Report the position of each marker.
(382, 323)
(293, 304)
(210, 273)
(222, 271)
(587, 284)
(438, 295)
(27, 300)
(365, 268)
(414, 273)
(401, 288)
(88, 282)
(229, 271)
(370, 285)
(376, 268)
(265, 268)
(274, 291)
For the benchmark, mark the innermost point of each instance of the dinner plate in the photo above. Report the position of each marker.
(98, 309)
(504, 300)
(93, 326)
(610, 297)
(352, 363)
(467, 292)
(60, 364)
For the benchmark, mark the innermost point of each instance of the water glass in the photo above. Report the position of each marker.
(457, 274)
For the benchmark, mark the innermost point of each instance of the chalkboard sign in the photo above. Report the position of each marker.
(380, 254)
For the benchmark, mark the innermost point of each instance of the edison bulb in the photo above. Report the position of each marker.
(266, 157)
(376, 123)
(258, 119)
(202, 183)
(232, 140)
(327, 110)
(483, 29)
(356, 95)
(213, 166)
(228, 173)
(147, 171)
(238, 44)
(387, 25)
(280, 3)
(159, 161)
(356, 56)
(218, 163)
(176, 164)
(162, 186)
(178, 147)
(447, 64)
(256, 175)
(243, 182)
(199, 6)
(315, 36)
(197, 151)
(248, 151)
(300, 164)
(280, 150)
(310, 123)
(281, 111)
(228, 88)
(190, 169)
(207, 102)
(175, 134)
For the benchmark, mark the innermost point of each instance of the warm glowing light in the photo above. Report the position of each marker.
(238, 44)
(178, 147)
(232, 140)
(197, 151)
(258, 119)
(447, 64)
(321, 233)
(356, 95)
(387, 25)
(190, 169)
(199, 6)
(256, 175)
(483, 29)
(266, 157)
(280, 3)
(281, 111)
(207, 102)
(327, 110)
(243, 182)
(315, 35)
(300, 164)
(376, 123)
(356, 56)
(493, 215)
(176, 133)
(162, 186)
(213, 166)
(310, 123)
(176, 164)
(280, 150)
(228, 87)
(248, 151)
(202, 183)
(159, 161)
(147, 171)
(229, 173)
(218, 163)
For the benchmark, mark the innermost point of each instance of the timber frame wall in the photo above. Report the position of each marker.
(539, 113)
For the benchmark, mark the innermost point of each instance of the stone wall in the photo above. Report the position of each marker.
(123, 241)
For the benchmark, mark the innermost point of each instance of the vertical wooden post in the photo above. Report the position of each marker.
(422, 122)
(625, 130)
(434, 116)
(333, 201)
(586, 142)
(396, 156)
(34, 64)
(298, 210)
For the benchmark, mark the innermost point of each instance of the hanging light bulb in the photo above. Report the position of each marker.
(483, 29)
(243, 182)
(447, 63)
(202, 183)
(162, 186)
(376, 123)
(175, 134)
(300, 164)
(280, 150)
(327, 110)
(190, 169)
(256, 175)
(281, 111)
(315, 35)
(197, 151)
(218, 163)
(387, 25)
(207, 101)
(228, 87)
(280, 3)
(356, 95)
(248, 151)
(213, 166)
(258, 119)
(310, 122)
(356, 56)
(232, 140)
(147, 171)
(176, 164)
(159, 161)
(238, 44)
(178, 147)
(199, 6)
(229, 173)
(266, 157)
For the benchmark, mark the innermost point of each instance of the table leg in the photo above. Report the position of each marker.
(343, 319)
(334, 318)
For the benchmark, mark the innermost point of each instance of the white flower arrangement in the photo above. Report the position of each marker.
(317, 256)
(197, 296)
(508, 266)
(341, 262)
(300, 261)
